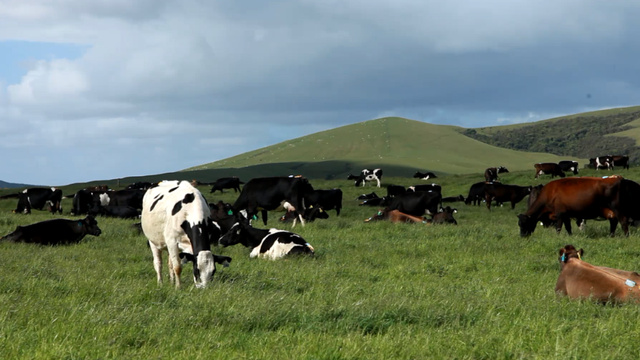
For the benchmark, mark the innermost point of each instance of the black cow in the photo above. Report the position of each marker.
(38, 198)
(569, 165)
(263, 194)
(367, 175)
(327, 199)
(425, 187)
(227, 183)
(601, 162)
(54, 232)
(141, 185)
(83, 200)
(620, 160)
(503, 193)
(416, 203)
(373, 195)
(393, 190)
(424, 176)
(476, 193)
(123, 212)
(383, 201)
(453, 198)
(310, 214)
(131, 198)
(491, 174)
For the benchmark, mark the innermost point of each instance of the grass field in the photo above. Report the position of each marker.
(389, 142)
(373, 291)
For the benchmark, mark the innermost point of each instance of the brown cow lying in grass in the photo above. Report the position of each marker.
(579, 279)
(445, 216)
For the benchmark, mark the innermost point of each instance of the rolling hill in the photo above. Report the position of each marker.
(400, 146)
(611, 131)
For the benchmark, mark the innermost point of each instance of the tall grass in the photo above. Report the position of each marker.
(372, 291)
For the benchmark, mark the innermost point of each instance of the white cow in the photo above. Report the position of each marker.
(175, 216)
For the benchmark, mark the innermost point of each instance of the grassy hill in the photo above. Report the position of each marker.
(611, 131)
(394, 143)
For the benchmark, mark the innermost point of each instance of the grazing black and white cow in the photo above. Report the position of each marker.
(141, 185)
(424, 176)
(264, 194)
(552, 169)
(602, 162)
(122, 212)
(491, 174)
(373, 195)
(367, 175)
(453, 199)
(270, 244)
(620, 160)
(569, 165)
(38, 198)
(327, 199)
(226, 183)
(55, 232)
(393, 190)
(425, 187)
(310, 214)
(383, 201)
(416, 203)
(445, 216)
(175, 216)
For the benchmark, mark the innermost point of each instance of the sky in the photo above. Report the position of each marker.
(103, 89)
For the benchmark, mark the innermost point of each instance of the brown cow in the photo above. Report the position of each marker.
(552, 169)
(580, 198)
(579, 279)
(491, 174)
(395, 216)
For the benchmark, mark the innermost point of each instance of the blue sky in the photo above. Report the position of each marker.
(153, 86)
(18, 56)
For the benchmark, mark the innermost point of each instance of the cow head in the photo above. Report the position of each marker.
(567, 252)
(204, 266)
(380, 215)
(446, 215)
(238, 234)
(90, 225)
(502, 169)
(200, 233)
(527, 224)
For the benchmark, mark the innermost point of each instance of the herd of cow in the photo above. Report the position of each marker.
(175, 216)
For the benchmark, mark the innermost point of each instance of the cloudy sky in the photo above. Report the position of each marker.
(100, 89)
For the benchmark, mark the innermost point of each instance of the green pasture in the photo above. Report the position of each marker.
(372, 291)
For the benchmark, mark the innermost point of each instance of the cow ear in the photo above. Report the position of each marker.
(224, 260)
(186, 257)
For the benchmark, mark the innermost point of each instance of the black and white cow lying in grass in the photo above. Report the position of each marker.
(55, 232)
(175, 216)
(270, 244)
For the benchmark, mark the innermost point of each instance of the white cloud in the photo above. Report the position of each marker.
(205, 79)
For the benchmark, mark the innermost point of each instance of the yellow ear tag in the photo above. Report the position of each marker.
(310, 206)
(320, 210)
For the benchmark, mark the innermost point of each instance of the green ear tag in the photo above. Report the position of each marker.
(79, 223)
(379, 212)
(254, 217)
(230, 212)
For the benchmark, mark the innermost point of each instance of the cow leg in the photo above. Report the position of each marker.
(613, 223)
(581, 223)
(558, 224)
(378, 180)
(567, 225)
(264, 216)
(157, 261)
(337, 211)
(487, 199)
